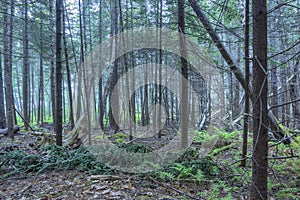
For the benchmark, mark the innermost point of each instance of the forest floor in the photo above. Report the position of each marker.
(23, 176)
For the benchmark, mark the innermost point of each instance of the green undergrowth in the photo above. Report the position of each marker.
(52, 157)
(216, 175)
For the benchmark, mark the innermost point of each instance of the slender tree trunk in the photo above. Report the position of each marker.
(100, 105)
(19, 90)
(71, 113)
(127, 83)
(25, 65)
(114, 97)
(294, 96)
(7, 37)
(2, 107)
(274, 93)
(236, 85)
(247, 79)
(259, 189)
(184, 77)
(52, 69)
(32, 108)
(79, 96)
(41, 82)
(58, 74)
(158, 123)
(132, 85)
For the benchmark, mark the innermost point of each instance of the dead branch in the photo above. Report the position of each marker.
(282, 157)
(23, 119)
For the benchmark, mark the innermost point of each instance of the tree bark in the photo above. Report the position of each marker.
(114, 98)
(71, 114)
(58, 74)
(247, 79)
(159, 112)
(8, 35)
(100, 84)
(184, 77)
(274, 92)
(41, 102)
(2, 107)
(79, 90)
(52, 69)
(259, 189)
(127, 83)
(25, 70)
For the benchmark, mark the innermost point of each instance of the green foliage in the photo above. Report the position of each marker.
(118, 138)
(53, 157)
(136, 148)
(228, 136)
(21, 161)
(201, 136)
(185, 168)
(199, 175)
(165, 175)
(218, 150)
(288, 193)
(183, 172)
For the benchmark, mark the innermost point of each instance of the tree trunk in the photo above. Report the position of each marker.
(100, 84)
(2, 107)
(8, 33)
(41, 81)
(158, 123)
(294, 96)
(114, 97)
(58, 74)
(25, 75)
(78, 106)
(259, 189)
(11, 38)
(127, 83)
(273, 88)
(71, 114)
(184, 77)
(52, 69)
(247, 79)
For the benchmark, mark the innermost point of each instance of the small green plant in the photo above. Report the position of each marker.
(228, 136)
(135, 148)
(201, 136)
(166, 175)
(117, 136)
(121, 140)
(199, 175)
(182, 170)
(288, 193)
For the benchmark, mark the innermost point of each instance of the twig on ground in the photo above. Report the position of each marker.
(174, 189)
(25, 188)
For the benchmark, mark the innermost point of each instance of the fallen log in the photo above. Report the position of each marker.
(4, 131)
